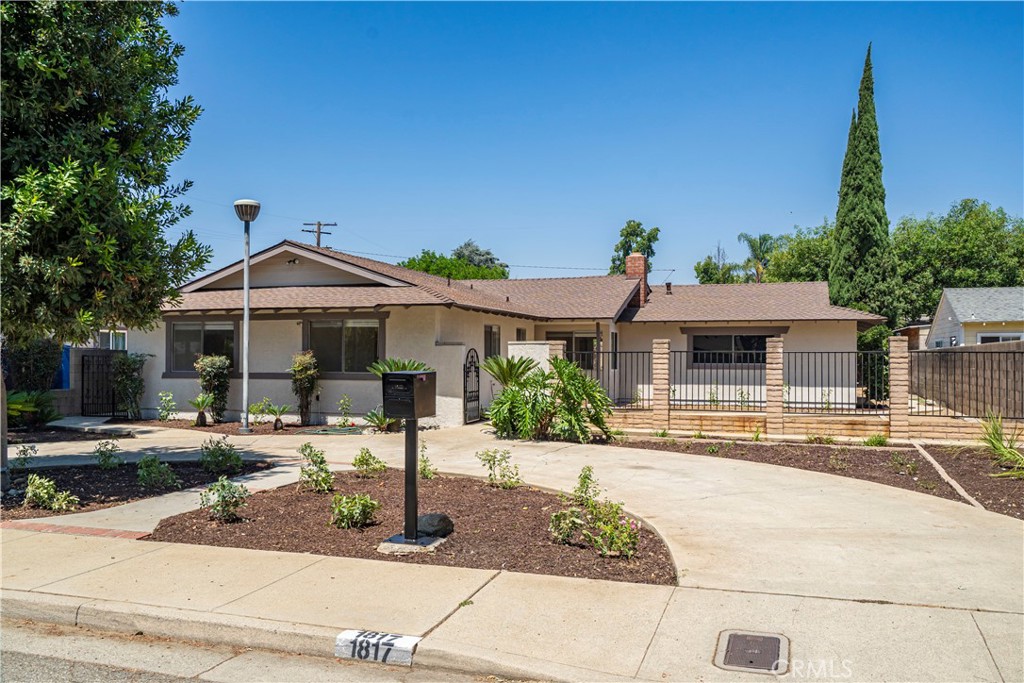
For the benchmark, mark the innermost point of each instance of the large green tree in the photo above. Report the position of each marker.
(759, 251)
(475, 255)
(88, 136)
(862, 269)
(803, 256)
(456, 268)
(973, 245)
(716, 269)
(633, 238)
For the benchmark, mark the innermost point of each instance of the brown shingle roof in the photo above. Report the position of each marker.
(744, 302)
(601, 296)
(304, 297)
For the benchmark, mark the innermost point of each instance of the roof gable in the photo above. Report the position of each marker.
(985, 304)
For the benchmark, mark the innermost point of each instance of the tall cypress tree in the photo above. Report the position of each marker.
(862, 272)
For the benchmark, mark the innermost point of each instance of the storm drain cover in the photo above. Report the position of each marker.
(752, 652)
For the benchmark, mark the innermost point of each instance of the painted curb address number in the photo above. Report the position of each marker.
(371, 646)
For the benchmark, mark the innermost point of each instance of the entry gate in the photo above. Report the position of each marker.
(98, 387)
(471, 386)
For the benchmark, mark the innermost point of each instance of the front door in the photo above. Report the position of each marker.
(471, 387)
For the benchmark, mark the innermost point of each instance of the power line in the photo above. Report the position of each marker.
(319, 229)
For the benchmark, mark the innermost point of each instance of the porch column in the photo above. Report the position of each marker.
(660, 381)
(899, 388)
(774, 381)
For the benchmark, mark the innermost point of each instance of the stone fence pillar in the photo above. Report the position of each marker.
(660, 392)
(899, 388)
(774, 420)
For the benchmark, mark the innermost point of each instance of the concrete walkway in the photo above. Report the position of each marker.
(868, 582)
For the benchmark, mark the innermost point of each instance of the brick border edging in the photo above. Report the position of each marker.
(50, 528)
(945, 477)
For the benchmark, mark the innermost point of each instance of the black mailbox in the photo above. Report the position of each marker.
(410, 394)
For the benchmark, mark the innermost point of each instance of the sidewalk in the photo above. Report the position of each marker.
(868, 582)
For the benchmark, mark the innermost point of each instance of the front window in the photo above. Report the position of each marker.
(492, 341)
(520, 334)
(729, 349)
(189, 340)
(579, 348)
(112, 339)
(995, 338)
(344, 345)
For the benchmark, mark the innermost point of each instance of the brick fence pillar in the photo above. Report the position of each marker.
(556, 349)
(899, 388)
(660, 383)
(774, 387)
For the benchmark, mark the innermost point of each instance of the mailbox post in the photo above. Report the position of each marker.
(410, 395)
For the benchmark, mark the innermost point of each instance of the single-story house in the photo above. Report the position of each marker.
(352, 310)
(977, 315)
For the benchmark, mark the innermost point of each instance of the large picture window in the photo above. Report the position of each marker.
(191, 339)
(344, 345)
(729, 349)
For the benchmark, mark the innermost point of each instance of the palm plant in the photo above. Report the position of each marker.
(760, 248)
(508, 371)
(201, 403)
(396, 365)
(1004, 445)
(276, 412)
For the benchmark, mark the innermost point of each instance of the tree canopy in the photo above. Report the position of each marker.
(803, 256)
(455, 268)
(633, 238)
(716, 269)
(88, 135)
(474, 255)
(759, 250)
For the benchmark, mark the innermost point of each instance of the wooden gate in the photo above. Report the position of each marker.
(98, 386)
(471, 386)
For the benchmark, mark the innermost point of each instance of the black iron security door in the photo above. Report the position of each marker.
(471, 386)
(98, 386)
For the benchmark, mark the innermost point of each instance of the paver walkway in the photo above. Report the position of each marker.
(869, 582)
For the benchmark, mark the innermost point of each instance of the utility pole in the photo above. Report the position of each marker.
(319, 230)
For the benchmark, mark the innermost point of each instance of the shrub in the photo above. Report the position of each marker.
(30, 409)
(223, 498)
(315, 474)
(353, 512)
(106, 455)
(396, 365)
(424, 466)
(876, 440)
(610, 532)
(501, 473)
(34, 365)
(367, 464)
(41, 492)
(215, 380)
(375, 418)
(276, 412)
(129, 385)
(566, 524)
(220, 456)
(344, 409)
(305, 380)
(168, 409)
(201, 403)
(154, 474)
(24, 458)
(586, 491)
(508, 371)
(259, 411)
(1004, 446)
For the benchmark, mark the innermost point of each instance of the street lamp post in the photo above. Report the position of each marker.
(246, 210)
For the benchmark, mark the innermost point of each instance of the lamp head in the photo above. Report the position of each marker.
(247, 209)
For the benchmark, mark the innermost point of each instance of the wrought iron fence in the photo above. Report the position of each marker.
(835, 381)
(967, 383)
(711, 380)
(624, 375)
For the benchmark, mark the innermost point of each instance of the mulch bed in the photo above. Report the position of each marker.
(97, 489)
(494, 529)
(211, 428)
(971, 468)
(879, 465)
(50, 434)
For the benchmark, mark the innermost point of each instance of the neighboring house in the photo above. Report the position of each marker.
(977, 315)
(351, 311)
(916, 334)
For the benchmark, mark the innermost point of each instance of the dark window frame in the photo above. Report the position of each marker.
(170, 371)
(492, 341)
(697, 360)
(307, 326)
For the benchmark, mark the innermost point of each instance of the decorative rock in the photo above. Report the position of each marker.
(435, 524)
(389, 548)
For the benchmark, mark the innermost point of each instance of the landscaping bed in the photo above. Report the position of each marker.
(50, 434)
(230, 428)
(494, 529)
(97, 488)
(971, 468)
(900, 467)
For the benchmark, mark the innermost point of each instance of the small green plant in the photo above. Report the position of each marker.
(168, 409)
(785, 394)
(586, 492)
(345, 409)
(501, 473)
(826, 400)
(757, 434)
(661, 433)
(220, 456)
(1004, 446)
(258, 411)
(424, 466)
(819, 439)
(467, 602)
(41, 492)
(106, 455)
(276, 412)
(744, 398)
(26, 453)
(876, 440)
(201, 403)
(902, 464)
(353, 512)
(223, 498)
(566, 524)
(712, 449)
(699, 435)
(610, 532)
(837, 463)
(376, 419)
(713, 394)
(927, 485)
(617, 432)
(315, 474)
(154, 474)
(367, 464)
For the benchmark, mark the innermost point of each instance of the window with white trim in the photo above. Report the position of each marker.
(344, 345)
(112, 339)
(996, 337)
(190, 339)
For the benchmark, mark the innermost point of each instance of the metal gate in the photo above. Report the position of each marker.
(98, 386)
(471, 386)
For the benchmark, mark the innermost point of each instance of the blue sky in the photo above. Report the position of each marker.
(539, 129)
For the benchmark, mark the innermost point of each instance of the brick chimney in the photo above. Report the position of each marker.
(636, 267)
